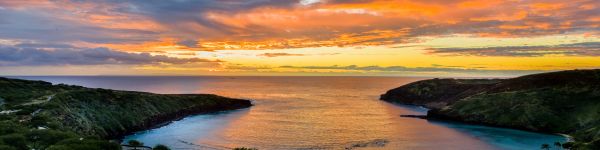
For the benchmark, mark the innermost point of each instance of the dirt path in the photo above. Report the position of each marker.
(37, 101)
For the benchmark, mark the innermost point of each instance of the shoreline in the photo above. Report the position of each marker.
(430, 118)
(549, 103)
(569, 137)
(166, 119)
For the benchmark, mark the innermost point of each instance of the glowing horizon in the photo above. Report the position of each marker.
(298, 37)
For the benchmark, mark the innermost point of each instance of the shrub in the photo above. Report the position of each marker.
(161, 147)
(135, 143)
(17, 141)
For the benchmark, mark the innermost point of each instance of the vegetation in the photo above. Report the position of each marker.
(135, 143)
(558, 145)
(559, 102)
(437, 93)
(17, 136)
(39, 115)
(109, 113)
(161, 147)
(545, 146)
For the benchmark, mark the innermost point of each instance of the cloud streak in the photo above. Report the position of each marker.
(379, 68)
(390, 69)
(576, 49)
(279, 54)
(28, 55)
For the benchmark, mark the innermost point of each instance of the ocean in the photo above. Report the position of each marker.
(306, 113)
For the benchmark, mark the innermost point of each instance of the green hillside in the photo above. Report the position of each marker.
(558, 102)
(40, 115)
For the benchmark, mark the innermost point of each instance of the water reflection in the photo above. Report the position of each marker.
(308, 113)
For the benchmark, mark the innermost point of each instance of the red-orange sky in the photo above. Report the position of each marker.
(298, 37)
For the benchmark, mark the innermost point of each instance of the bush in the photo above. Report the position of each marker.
(568, 145)
(135, 143)
(7, 127)
(17, 141)
(6, 147)
(39, 120)
(83, 143)
(42, 139)
(161, 147)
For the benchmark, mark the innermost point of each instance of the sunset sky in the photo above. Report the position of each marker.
(298, 37)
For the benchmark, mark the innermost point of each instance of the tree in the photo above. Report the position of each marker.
(568, 145)
(17, 141)
(6, 147)
(557, 145)
(546, 146)
(39, 121)
(42, 139)
(135, 143)
(84, 143)
(161, 147)
(595, 144)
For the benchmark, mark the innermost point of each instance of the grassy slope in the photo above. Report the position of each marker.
(110, 113)
(97, 112)
(437, 93)
(559, 102)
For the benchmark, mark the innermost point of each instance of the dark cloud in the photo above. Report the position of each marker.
(578, 49)
(409, 69)
(292, 54)
(37, 26)
(36, 56)
(43, 45)
(247, 68)
(179, 14)
(189, 43)
(279, 54)
(379, 68)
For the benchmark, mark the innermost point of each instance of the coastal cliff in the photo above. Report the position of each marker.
(437, 93)
(75, 111)
(557, 102)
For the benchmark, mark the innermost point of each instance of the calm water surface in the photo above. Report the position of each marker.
(308, 113)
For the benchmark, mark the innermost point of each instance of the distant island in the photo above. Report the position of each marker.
(566, 102)
(40, 115)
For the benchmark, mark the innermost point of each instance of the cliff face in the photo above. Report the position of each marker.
(102, 112)
(557, 102)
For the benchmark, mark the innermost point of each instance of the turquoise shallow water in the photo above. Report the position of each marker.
(308, 113)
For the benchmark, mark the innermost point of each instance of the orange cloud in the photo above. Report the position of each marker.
(146, 26)
(547, 6)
